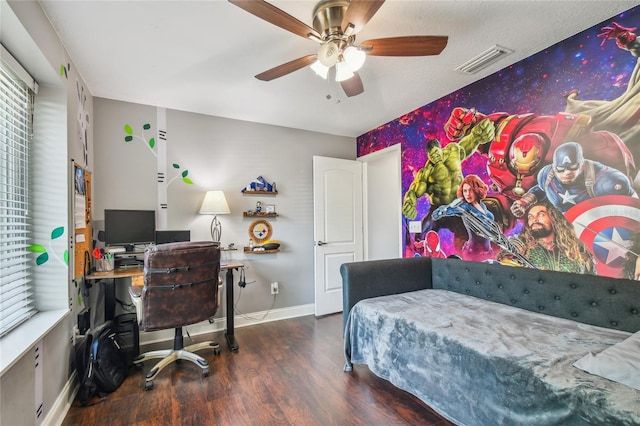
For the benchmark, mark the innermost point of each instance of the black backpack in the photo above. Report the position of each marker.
(100, 366)
(127, 336)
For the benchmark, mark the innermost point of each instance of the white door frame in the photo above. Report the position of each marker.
(382, 184)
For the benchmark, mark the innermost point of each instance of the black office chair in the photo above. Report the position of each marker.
(180, 287)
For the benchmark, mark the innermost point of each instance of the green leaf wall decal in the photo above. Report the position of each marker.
(147, 126)
(37, 248)
(66, 257)
(128, 138)
(185, 173)
(152, 142)
(57, 233)
(187, 181)
(42, 258)
(176, 166)
(128, 130)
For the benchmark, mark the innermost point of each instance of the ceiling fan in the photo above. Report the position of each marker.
(335, 25)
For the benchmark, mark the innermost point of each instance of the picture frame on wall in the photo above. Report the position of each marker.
(270, 209)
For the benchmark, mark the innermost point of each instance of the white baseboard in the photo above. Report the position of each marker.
(56, 415)
(220, 324)
(61, 406)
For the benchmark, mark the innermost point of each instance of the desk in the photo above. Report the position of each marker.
(136, 273)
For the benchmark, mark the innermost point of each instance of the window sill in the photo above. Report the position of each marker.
(19, 341)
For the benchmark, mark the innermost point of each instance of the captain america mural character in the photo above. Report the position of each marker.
(571, 179)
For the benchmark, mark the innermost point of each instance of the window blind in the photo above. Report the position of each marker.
(16, 126)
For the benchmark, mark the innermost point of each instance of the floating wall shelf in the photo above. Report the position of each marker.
(245, 214)
(246, 250)
(260, 192)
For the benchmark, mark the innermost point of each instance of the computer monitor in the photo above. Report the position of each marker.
(129, 227)
(163, 237)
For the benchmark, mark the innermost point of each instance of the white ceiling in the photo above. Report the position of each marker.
(202, 56)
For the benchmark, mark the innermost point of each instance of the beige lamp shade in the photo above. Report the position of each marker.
(215, 203)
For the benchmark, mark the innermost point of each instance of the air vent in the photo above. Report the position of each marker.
(484, 59)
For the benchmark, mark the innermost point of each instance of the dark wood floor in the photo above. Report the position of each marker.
(286, 372)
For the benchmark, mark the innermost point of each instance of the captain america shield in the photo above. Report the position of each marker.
(606, 224)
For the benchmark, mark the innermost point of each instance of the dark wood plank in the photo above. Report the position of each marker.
(286, 372)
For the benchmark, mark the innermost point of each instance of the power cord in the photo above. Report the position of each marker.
(247, 316)
(129, 307)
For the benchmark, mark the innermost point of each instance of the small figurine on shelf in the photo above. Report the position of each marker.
(251, 245)
(259, 184)
(258, 207)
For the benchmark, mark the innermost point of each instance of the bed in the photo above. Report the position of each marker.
(479, 361)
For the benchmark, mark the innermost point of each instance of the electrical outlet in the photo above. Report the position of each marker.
(415, 226)
(274, 287)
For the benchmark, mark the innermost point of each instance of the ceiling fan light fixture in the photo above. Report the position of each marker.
(343, 71)
(328, 54)
(354, 57)
(320, 69)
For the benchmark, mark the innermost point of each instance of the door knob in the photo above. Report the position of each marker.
(322, 243)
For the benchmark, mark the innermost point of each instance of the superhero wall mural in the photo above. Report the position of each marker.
(535, 165)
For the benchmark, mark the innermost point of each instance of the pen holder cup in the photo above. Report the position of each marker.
(104, 265)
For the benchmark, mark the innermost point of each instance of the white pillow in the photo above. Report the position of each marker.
(619, 363)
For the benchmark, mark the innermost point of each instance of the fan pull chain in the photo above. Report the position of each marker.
(329, 97)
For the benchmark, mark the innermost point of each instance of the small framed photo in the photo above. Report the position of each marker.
(270, 209)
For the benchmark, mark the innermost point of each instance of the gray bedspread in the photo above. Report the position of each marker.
(478, 362)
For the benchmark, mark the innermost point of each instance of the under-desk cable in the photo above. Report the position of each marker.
(242, 284)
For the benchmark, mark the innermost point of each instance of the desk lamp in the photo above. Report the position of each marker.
(215, 203)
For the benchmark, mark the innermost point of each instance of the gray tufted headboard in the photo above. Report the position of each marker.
(601, 301)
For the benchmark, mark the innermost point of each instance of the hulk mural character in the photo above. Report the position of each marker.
(440, 178)
(441, 175)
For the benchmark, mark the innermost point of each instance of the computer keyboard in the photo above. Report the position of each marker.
(126, 263)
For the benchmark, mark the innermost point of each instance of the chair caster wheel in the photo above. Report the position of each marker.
(148, 385)
(216, 351)
(205, 372)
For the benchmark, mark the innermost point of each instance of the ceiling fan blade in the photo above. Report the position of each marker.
(406, 46)
(277, 17)
(359, 13)
(287, 68)
(352, 86)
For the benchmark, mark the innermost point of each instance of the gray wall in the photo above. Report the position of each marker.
(223, 154)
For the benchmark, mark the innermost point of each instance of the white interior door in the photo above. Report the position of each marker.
(338, 234)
